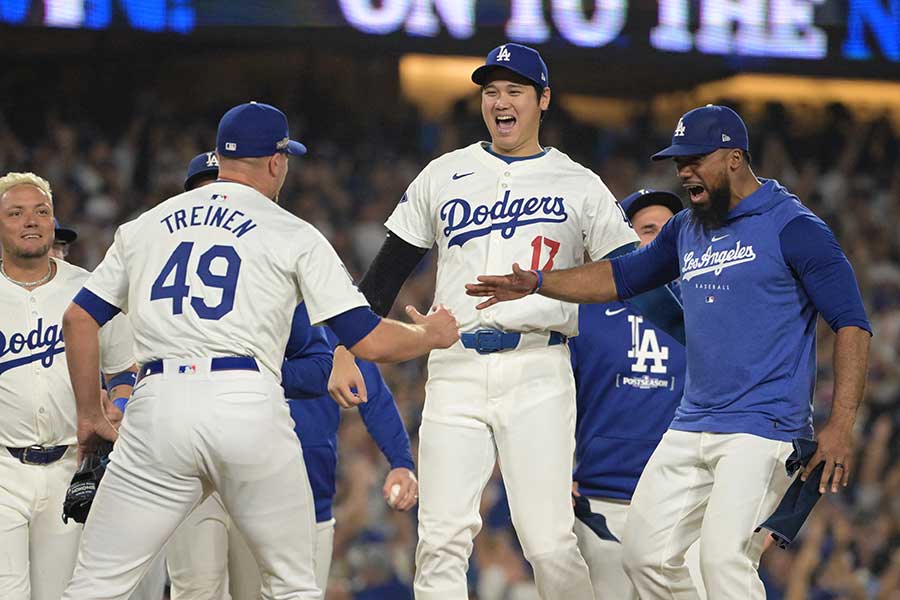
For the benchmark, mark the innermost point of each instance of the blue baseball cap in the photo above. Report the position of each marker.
(203, 165)
(704, 130)
(643, 198)
(255, 129)
(63, 234)
(517, 58)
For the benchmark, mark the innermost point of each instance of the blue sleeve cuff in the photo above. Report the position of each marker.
(101, 310)
(121, 403)
(404, 461)
(353, 325)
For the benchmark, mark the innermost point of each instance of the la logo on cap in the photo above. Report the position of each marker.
(679, 129)
(503, 54)
(211, 160)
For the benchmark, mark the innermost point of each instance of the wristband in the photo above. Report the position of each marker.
(540, 281)
(124, 378)
(120, 403)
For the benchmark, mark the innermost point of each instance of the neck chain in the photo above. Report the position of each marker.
(29, 284)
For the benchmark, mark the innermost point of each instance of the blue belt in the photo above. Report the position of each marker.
(221, 363)
(487, 341)
(38, 455)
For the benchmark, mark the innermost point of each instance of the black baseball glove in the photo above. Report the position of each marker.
(84, 484)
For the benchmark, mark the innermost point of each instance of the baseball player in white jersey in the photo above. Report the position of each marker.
(209, 280)
(506, 391)
(37, 406)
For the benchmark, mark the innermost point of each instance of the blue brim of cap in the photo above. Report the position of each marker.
(295, 148)
(480, 74)
(207, 172)
(669, 200)
(683, 150)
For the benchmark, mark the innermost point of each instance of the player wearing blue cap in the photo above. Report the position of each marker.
(757, 268)
(629, 377)
(198, 552)
(210, 280)
(505, 393)
(62, 240)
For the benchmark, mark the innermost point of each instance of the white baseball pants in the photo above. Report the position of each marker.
(713, 487)
(244, 574)
(197, 554)
(604, 557)
(517, 407)
(186, 433)
(37, 550)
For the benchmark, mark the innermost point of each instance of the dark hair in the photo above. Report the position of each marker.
(747, 157)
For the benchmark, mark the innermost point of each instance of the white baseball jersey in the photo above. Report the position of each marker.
(37, 404)
(218, 271)
(486, 214)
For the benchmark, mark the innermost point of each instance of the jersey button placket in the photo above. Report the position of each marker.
(495, 247)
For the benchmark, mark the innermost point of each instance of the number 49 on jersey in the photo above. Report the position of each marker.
(176, 271)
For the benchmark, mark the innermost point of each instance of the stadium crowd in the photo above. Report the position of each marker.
(360, 162)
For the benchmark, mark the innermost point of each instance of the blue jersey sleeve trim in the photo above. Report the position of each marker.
(101, 310)
(353, 325)
(650, 267)
(811, 250)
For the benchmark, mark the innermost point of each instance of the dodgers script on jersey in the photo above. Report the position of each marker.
(205, 299)
(36, 399)
(486, 214)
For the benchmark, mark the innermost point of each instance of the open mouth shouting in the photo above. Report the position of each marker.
(505, 123)
(697, 193)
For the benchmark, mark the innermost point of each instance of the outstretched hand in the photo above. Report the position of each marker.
(502, 288)
(440, 325)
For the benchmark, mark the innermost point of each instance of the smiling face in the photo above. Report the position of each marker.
(511, 110)
(706, 179)
(26, 222)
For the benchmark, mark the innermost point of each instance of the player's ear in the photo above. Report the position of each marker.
(544, 100)
(273, 164)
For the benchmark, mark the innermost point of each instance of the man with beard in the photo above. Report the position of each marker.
(757, 267)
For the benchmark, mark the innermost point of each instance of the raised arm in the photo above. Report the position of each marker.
(385, 340)
(621, 277)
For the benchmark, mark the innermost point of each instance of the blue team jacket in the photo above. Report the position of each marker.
(629, 377)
